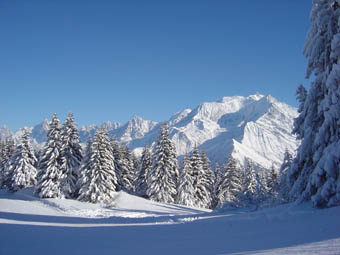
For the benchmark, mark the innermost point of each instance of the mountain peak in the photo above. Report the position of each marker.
(257, 127)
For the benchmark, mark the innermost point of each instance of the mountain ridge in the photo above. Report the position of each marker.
(256, 127)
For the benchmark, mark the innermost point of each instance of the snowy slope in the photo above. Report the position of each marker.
(139, 226)
(256, 127)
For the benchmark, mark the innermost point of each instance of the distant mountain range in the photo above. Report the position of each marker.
(256, 127)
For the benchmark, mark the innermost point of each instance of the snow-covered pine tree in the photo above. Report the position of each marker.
(250, 184)
(208, 179)
(283, 196)
(186, 191)
(231, 183)
(145, 167)
(301, 95)
(70, 156)
(273, 183)
(201, 192)
(98, 181)
(162, 179)
(314, 173)
(5, 171)
(123, 166)
(136, 165)
(50, 174)
(83, 175)
(117, 155)
(22, 165)
(127, 170)
(218, 178)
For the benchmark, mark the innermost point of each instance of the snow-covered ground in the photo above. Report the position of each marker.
(29, 225)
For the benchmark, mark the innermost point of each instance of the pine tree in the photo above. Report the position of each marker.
(273, 183)
(301, 95)
(186, 190)
(117, 155)
(218, 178)
(98, 182)
(208, 178)
(70, 156)
(201, 193)
(5, 171)
(314, 173)
(250, 184)
(231, 183)
(22, 164)
(284, 186)
(145, 167)
(50, 174)
(162, 178)
(203, 180)
(82, 174)
(127, 169)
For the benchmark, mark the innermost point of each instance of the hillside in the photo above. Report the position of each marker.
(139, 226)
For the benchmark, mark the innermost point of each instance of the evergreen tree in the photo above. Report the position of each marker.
(70, 156)
(50, 174)
(145, 167)
(22, 164)
(301, 95)
(186, 190)
(162, 179)
(127, 170)
(208, 178)
(98, 182)
(284, 187)
(202, 184)
(5, 172)
(82, 175)
(273, 183)
(218, 178)
(250, 188)
(231, 183)
(314, 173)
(117, 155)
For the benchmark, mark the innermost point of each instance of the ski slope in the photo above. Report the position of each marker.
(29, 225)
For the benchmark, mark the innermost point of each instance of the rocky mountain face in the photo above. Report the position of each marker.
(256, 127)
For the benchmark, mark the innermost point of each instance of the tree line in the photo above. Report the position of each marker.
(95, 173)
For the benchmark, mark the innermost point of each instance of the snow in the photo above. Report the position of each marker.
(139, 226)
(260, 124)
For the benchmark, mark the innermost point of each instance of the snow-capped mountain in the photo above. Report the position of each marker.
(256, 127)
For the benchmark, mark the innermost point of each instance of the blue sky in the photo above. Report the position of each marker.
(109, 60)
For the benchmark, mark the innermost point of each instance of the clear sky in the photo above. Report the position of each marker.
(108, 60)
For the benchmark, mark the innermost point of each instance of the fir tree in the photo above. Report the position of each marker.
(273, 183)
(314, 173)
(117, 155)
(218, 178)
(127, 170)
(186, 190)
(98, 182)
(284, 186)
(5, 171)
(70, 156)
(22, 164)
(145, 167)
(50, 174)
(250, 188)
(162, 178)
(208, 178)
(231, 184)
(83, 175)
